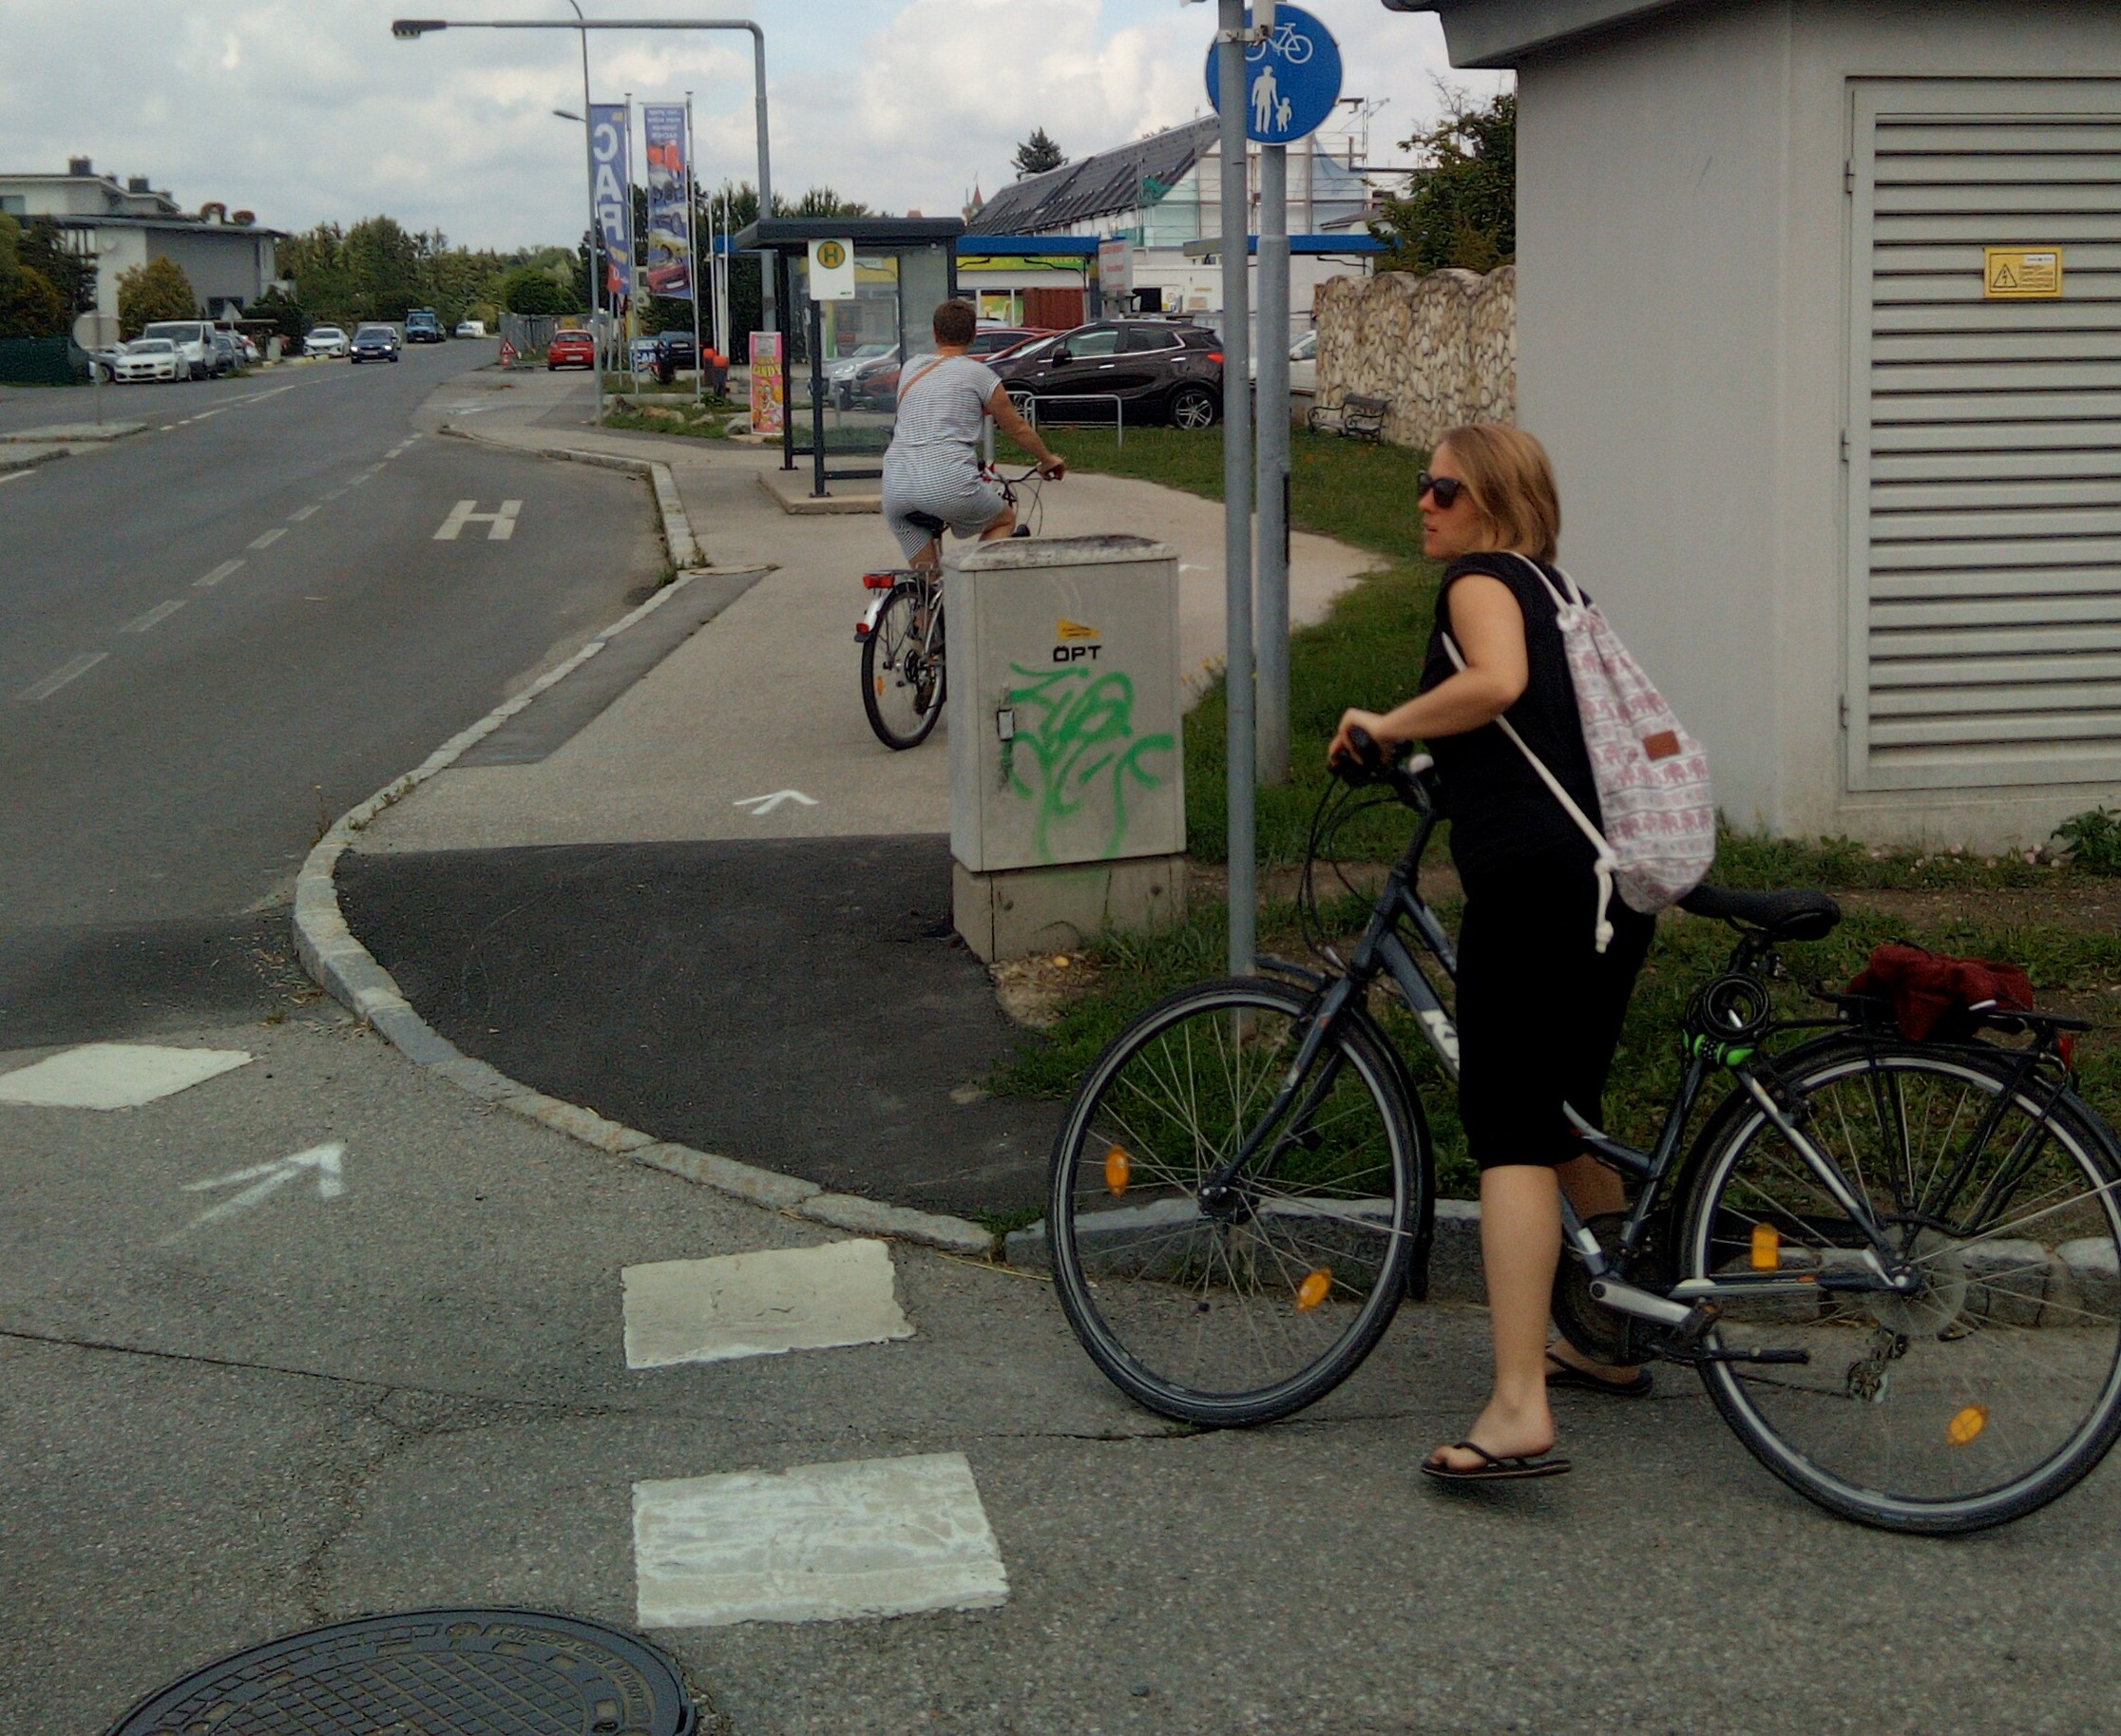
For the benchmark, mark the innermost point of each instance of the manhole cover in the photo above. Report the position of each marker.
(432, 1672)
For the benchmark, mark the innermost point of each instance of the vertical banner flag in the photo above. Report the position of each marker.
(670, 244)
(608, 152)
(767, 391)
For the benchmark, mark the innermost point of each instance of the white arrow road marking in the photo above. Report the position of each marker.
(500, 525)
(763, 804)
(268, 1178)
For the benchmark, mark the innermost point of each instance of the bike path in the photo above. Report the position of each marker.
(719, 910)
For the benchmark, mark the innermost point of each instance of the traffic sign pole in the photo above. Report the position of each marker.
(1273, 456)
(1282, 80)
(1237, 481)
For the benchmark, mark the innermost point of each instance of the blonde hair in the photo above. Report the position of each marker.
(1511, 480)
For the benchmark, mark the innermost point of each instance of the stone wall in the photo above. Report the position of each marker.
(1442, 347)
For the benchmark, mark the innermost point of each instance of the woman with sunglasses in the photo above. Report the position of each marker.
(1538, 1007)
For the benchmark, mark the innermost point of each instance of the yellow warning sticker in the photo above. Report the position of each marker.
(2021, 274)
(1074, 629)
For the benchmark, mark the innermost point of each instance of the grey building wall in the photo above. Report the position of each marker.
(1683, 308)
(227, 262)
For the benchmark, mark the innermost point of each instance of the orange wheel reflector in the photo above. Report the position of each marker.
(1968, 1424)
(1118, 1169)
(1313, 1290)
(1767, 1248)
(879, 687)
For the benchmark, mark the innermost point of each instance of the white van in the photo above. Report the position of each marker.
(194, 339)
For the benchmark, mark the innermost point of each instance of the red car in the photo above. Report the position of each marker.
(571, 350)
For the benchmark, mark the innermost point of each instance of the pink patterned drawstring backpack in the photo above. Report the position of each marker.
(1651, 777)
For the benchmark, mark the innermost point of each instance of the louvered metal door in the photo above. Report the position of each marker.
(1984, 437)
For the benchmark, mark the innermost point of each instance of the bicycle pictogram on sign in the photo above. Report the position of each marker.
(1293, 78)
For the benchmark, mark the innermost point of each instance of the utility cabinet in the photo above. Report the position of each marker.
(1067, 776)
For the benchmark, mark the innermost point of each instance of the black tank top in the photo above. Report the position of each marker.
(1502, 813)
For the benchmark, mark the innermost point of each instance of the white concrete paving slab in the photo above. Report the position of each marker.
(114, 1075)
(763, 1304)
(830, 1542)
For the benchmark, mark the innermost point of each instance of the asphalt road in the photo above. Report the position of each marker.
(220, 633)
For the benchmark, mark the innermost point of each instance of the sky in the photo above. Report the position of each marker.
(308, 112)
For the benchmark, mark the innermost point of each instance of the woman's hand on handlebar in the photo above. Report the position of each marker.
(1053, 467)
(1344, 750)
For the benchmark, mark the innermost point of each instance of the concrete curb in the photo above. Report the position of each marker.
(14, 460)
(347, 971)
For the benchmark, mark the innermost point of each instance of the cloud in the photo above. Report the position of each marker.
(307, 112)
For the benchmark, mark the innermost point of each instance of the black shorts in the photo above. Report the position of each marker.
(1539, 1008)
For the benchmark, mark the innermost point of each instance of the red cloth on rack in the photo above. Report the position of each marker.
(1936, 995)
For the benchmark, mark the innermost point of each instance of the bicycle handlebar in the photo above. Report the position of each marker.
(1402, 770)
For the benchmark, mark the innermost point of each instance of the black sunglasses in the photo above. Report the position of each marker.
(1445, 488)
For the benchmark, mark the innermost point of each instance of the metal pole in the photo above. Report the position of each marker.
(817, 397)
(692, 240)
(1273, 455)
(589, 159)
(766, 310)
(1237, 479)
(626, 277)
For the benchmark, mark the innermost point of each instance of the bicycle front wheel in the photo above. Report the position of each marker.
(1993, 1389)
(1248, 1310)
(902, 667)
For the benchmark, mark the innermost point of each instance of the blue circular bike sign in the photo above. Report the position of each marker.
(1292, 78)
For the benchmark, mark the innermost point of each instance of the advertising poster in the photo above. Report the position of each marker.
(768, 395)
(611, 159)
(669, 266)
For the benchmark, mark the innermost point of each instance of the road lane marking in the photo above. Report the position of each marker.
(15, 475)
(115, 1075)
(162, 611)
(879, 1536)
(65, 672)
(357, 481)
(336, 492)
(763, 804)
(268, 538)
(300, 513)
(168, 427)
(267, 1179)
(213, 578)
(764, 1304)
(500, 524)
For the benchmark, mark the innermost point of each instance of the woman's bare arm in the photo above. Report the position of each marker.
(1489, 627)
(1010, 421)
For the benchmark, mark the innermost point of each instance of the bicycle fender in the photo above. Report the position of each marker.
(867, 625)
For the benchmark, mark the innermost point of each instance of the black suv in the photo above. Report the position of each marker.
(1160, 370)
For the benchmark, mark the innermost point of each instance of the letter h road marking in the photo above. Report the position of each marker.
(500, 525)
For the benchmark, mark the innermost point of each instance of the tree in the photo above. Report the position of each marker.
(1037, 154)
(820, 201)
(1461, 209)
(43, 251)
(30, 304)
(527, 290)
(158, 290)
(288, 316)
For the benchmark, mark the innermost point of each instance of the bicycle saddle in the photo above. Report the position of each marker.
(926, 521)
(1783, 916)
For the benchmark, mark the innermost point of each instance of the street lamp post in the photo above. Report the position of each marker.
(410, 29)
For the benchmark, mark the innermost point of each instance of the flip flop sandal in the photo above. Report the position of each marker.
(1493, 1470)
(1563, 1374)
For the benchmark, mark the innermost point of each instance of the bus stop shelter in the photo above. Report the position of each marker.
(904, 268)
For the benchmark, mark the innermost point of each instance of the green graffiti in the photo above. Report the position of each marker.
(1077, 727)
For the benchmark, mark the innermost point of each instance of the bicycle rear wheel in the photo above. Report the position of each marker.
(1244, 1314)
(902, 667)
(1994, 1388)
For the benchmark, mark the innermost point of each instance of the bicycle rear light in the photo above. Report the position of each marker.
(879, 581)
(862, 629)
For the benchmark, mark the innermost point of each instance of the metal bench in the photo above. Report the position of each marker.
(1358, 417)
